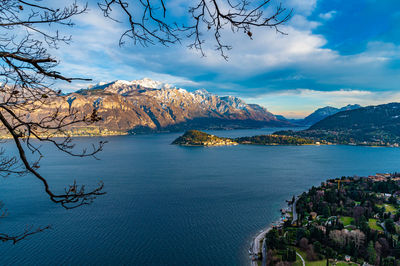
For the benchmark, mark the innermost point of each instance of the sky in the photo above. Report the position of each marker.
(336, 52)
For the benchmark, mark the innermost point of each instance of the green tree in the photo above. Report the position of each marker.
(326, 211)
(389, 261)
(390, 227)
(289, 255)
(371, 253)
(318, 247)
(272, 239)
(329, 254)
(396, 250)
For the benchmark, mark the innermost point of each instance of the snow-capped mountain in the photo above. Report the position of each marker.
(125, 87)
(147, 105)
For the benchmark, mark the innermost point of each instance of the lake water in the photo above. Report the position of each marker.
(170, 205)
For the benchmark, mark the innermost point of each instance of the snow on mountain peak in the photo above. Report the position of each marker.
(234, 102)
(151, 84)
(123, 82)
(124, 86)
(202, 92)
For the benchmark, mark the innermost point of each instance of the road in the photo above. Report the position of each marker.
(264, 253)
(255, 249)
(294, 210)
(256, 244)
(304, 263)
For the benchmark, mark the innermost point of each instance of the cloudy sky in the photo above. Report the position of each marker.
(336, 52)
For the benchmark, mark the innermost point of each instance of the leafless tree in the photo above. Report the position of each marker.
(16, 238)
(303, 243)
(339, 237)
(344, 236)
(310, 253)
(27, 71)
(29, 32)
(154, 26)
(357, 237)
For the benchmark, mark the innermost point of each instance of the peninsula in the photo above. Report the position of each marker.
(199, 138)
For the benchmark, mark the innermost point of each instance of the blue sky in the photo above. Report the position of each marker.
(337, 52)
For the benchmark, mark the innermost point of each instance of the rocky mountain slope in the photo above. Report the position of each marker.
(151, 106)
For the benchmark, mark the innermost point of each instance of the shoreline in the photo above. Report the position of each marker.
(76, 136)
(255, 248)
(116, 133)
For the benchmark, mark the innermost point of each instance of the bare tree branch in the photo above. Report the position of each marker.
(153, 26)
(27, 71)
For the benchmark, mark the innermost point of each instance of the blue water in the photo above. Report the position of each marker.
(170, 205)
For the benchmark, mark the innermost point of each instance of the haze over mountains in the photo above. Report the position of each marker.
(320, 114)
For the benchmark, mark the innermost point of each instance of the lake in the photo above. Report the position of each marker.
(169, 205)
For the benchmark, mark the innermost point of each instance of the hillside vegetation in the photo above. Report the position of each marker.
(199, 138)
(274, 139)
(372, 125)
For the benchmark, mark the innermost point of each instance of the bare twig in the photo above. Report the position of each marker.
(153, 26)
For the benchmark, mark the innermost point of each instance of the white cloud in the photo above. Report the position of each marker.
(329, 15)
(318, 94)
(97, 36)
(300, 55)
(301, 22)
(305, 7)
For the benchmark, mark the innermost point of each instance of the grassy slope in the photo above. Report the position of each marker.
(372, 224)
(388, 208)
(346, 220)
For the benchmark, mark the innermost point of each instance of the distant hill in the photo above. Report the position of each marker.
(372, 125)
(322, 113)
(319, 115)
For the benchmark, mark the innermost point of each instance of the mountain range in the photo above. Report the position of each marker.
(151, 106)
(145, 106)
